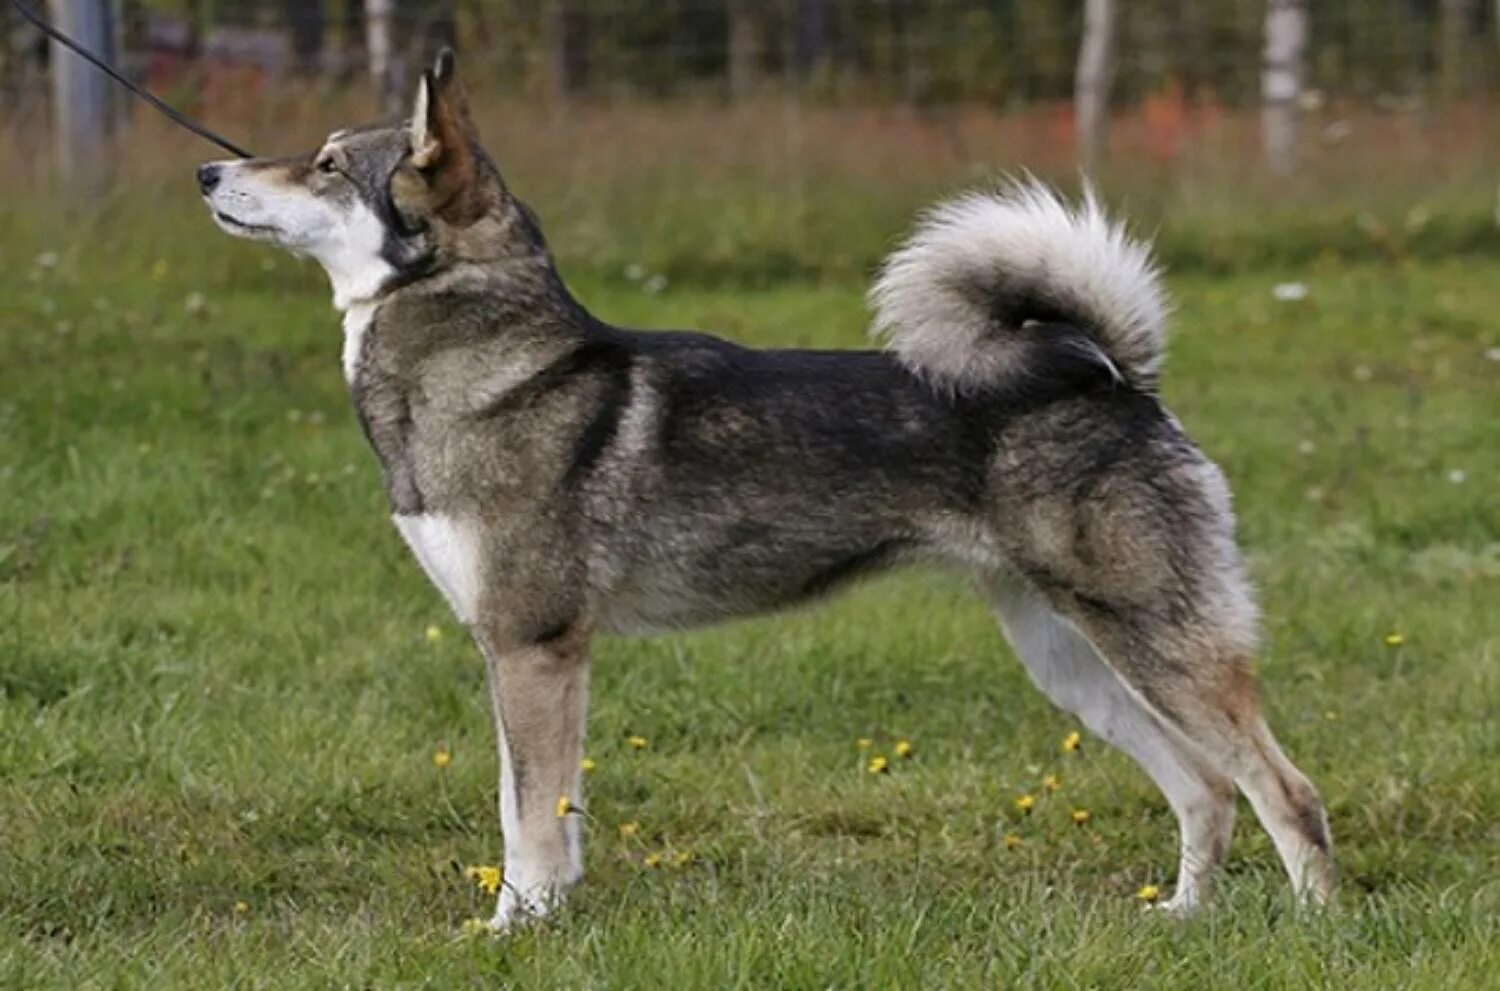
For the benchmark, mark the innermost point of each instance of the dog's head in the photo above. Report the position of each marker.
(376, 205)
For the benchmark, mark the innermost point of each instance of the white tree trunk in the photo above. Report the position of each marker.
(1281, 82)
(378, 45)
(1096, 73)
(80, 93)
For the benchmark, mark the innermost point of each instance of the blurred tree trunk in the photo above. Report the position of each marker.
(565, 39)
(379, 15)
(429, 26)
(916, 68)
(1096, 73)
(744, 48)
(810, 33)
(81, 94)
(1455, 50)
(307, 19)
(1281, 82)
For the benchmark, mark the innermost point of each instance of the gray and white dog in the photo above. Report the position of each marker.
(557, 476)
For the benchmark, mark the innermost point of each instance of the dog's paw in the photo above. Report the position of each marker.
(1182, 905)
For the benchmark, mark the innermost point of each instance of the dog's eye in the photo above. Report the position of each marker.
(326, 165)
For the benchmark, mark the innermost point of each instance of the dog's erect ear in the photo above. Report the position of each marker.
(442, 133)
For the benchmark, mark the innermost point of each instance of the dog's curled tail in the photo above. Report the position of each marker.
(955, 300)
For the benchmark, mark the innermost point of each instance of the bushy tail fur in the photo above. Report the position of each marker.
(951, 302)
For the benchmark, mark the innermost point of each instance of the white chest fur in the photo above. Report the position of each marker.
(449, 551)
(357, 320)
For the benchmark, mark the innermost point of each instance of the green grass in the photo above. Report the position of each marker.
(215, 684)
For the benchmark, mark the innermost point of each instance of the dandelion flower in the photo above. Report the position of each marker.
(1026, 803)
(488, 878)
(1148, 893)
(564, 806)
(637, 742)
(653, 860)
(1394, 639)
(1052, 782)
(878, 765)
(442, 757)
(1072, 742)
(476, 927)
(904, 749)
(629, 829)
(865, 743)
(1012, 840)
(434, 634)
(1082, 816)
(241, 908)
(587, 765)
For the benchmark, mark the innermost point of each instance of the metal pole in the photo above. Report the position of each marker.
(80, 94)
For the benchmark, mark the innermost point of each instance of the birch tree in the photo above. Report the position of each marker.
(1095, 75)
(1281, 82)
(384, 77)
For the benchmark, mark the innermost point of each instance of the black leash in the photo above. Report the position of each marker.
(172, 113)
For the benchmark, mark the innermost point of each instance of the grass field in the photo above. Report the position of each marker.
(223, 684)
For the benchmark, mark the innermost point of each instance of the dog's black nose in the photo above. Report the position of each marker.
(208, 177)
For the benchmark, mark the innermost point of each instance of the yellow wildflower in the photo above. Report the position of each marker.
(1026, 803)
(1052, 782)
(1012, 840)
(564, 806)
(587, 765)
(1394, 639)
(434, 634)
(442, 757)
(1148, 893)
(637, 742)
(653, 860)
(476, 927)
(1081, 816)
(488, 878)
(878, 765)
(904, 749)
(629, 829)
(865, 743)
(241, 908)
(684, 857)
(1072, 742)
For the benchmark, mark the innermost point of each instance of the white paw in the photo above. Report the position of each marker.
(521, 905)
(1183, 903)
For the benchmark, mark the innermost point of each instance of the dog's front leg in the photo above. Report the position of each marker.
(539, 694)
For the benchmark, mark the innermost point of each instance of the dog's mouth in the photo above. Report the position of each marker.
(234, 224)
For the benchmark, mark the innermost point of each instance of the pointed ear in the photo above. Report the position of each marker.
(441, 129)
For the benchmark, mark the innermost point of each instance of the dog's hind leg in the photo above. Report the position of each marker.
(1195, 674)
(1069, 670)
(539, 695)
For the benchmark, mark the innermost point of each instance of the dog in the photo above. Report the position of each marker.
(556, 476)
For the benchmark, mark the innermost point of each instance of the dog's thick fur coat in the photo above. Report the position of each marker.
(556, 476)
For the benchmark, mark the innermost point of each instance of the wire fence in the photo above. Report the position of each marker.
(1003, 53)
(1178, 67)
